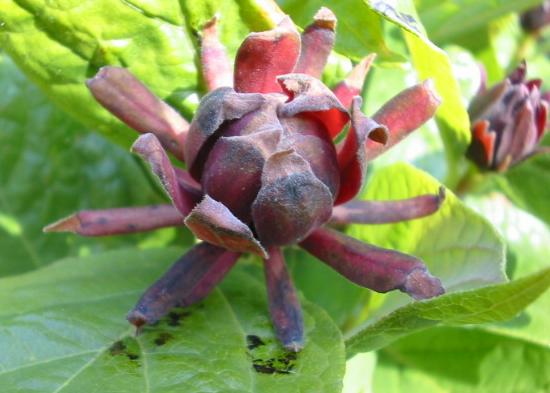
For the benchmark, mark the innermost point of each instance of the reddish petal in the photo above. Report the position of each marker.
(217, 70)
(265, 55)
(382, 212)
(373, 267)
(284, 306)
(403, 114)
(320, 155)
(226, 160)
(317, 42)
(118, 221)
(351, 152)
(292, 201)
(150, 149)
(214, 223)
(188, 281)
(311, 97)
(216, 107)
(541, 118)
(353, 84)
(482, 148)
(128, 99)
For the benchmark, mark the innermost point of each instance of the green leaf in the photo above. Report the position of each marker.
(528, 241)
(525, 184)
(64, 330)
(432, 62)
(359, 373)
(457, 244)
(453, 360)
(50, 166)
(493, 303)
(59, 45)
(448, 21)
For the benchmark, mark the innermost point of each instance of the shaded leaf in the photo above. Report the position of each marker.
(64, 329)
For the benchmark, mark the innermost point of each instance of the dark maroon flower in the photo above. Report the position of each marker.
(508, 121)
(536, 18)
(264, 171)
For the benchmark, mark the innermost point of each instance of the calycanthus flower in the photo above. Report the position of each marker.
(508, 121)
(263, 171)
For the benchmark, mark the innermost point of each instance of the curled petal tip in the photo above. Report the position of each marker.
(325, 18)
(137, 319)
(67, 224)
(420, 284)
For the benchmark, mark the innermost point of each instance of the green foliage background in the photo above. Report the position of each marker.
(63, 298)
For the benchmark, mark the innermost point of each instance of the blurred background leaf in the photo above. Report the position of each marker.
(50, 167)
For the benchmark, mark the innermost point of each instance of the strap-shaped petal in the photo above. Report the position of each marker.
(216, 107)
(317, 42)
(382, 212)
(353, 84)
(403, 114)
(150, 149)
(351, 152)
(118, 221)
(265, 55)
(309, 96)
(292, 201)
(284, 305)
(373, 267)
(217, 70)
(189, 280)
(127, 98)
(223, 178)
(214, 223)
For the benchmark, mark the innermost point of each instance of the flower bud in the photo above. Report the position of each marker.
(508, 121)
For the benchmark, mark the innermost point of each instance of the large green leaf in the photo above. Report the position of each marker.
(526, 185)
(452, 360)
(50, 166)
(61, 44)
(450, 20)
(63, 330)
(528, 241)
(494, 303)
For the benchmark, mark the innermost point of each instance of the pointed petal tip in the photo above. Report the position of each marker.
(142, 143)
(66, 224)
(325, 18)
(294, 346)
(420, 285)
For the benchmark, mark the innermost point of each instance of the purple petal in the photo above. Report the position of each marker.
(403, 114)
(188, 281)
(265, 55)
(310, 97)
(150, 149)
(351, 152)
(128, 99)
(226, 160)
(214, 223)
(382, 212)
(373, 267)
(353, 84)
(317, 42)
(118, 221)
(217, 70)
(284, 306)
(292, 201)
(216, 107)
